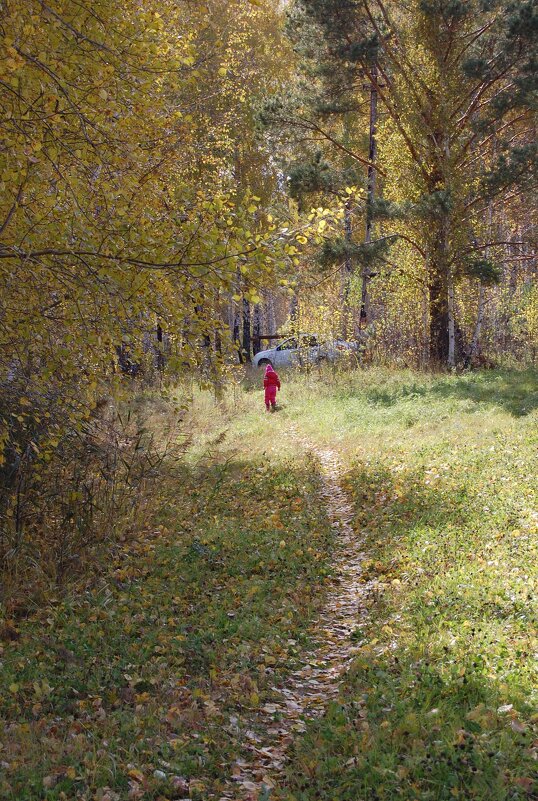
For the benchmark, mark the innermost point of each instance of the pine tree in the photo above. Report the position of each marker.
(456, 82)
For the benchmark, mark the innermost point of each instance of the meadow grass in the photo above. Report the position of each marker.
(441, 702)
(442, 469)
(143, 681)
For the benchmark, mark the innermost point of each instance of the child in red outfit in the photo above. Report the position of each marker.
(271, 383)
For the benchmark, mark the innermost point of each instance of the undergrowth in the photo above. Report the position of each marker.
(142, 685)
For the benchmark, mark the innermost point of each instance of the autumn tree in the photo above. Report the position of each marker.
(119, 211)
(456, 86)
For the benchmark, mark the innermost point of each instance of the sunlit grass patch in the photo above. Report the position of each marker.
(441, 702)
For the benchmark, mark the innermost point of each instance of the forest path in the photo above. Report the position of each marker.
(305, 692)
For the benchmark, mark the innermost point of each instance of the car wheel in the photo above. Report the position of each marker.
(263, 362)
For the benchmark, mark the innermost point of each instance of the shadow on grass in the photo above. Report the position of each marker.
(514, 391)
(189, 624)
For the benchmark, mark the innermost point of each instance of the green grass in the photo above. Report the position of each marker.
(441, 702)
(161, 662)
(161, 665)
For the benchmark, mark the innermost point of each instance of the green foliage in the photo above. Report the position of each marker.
(383, 209)
(319, 177)
(364, 52)
(488, 272)
(452, 11)
(518, 166)
(336, 251)
(315, 176)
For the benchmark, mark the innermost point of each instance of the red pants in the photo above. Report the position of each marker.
(270, 396)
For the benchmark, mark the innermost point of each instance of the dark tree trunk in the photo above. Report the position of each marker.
(237, 335)
(236, 326)
(440, 284)
(348, 271)
(438, 316)
(159, 349)
(256, 329)
(270, 312)
(294, 311)
(247, 348)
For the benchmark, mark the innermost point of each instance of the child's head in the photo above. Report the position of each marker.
(269, 369)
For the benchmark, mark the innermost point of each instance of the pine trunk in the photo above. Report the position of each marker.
(442, 323)
(438, 286)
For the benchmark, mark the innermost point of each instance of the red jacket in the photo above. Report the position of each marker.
(271, 378)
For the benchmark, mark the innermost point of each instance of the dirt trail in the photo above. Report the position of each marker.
(307, 690)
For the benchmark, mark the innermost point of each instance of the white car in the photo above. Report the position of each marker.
(299, 350)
